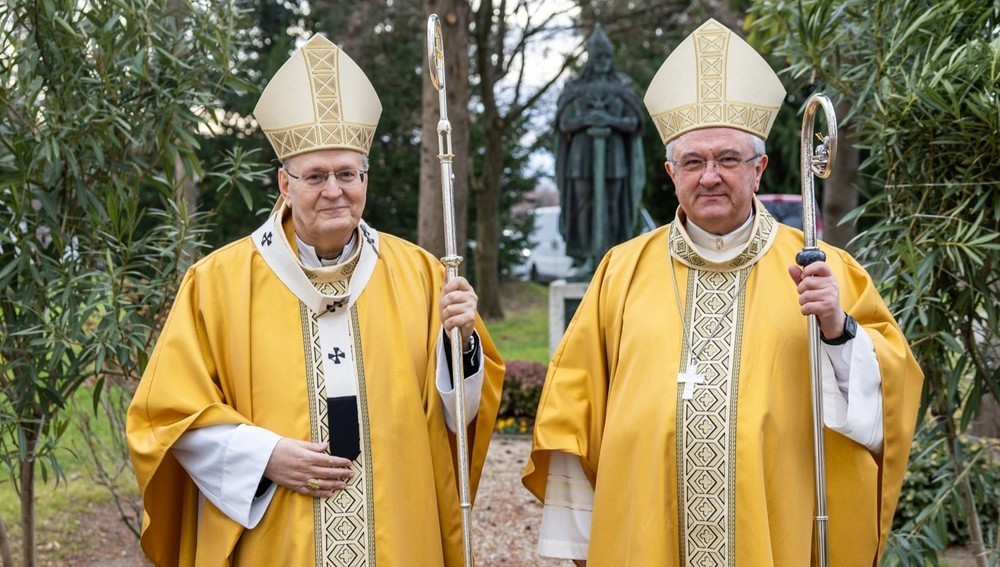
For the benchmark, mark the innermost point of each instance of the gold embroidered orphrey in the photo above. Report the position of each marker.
(711, 44)
(706, 424)
(345, 522)
(328, 127)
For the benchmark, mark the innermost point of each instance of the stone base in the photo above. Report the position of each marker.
(564, 297)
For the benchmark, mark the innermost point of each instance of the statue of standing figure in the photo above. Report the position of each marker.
(600, 171)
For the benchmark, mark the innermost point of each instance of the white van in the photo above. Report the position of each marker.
(546, 260)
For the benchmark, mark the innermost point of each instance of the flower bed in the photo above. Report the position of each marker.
(522, 388)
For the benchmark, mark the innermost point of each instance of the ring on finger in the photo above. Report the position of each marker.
(312, 484)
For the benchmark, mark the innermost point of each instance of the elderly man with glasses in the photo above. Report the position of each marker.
(298, 408)
(675, 423)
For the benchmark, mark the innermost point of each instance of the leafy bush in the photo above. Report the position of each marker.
(103, 108)
(930, 515)
(522, 388)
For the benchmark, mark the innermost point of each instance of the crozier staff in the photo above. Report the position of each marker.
(674, 427)
(297, 409)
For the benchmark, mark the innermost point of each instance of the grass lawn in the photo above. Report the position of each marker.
(524, 332)
(61, 502)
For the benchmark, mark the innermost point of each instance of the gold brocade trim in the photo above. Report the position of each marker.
(335, 289)
(744, 116)
(682, 249)
(335, 281)
(309, 137)
(321, 61)
(711, 46)
(706, 424)
(365, 424)
(338, 274)
(347, 269)
(344, 531)
(765, 230)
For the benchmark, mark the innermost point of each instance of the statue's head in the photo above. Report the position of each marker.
(599, 52)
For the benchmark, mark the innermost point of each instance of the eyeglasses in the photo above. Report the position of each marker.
(317, 180)
(728, 163)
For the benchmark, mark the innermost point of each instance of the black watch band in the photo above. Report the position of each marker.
(850, 331)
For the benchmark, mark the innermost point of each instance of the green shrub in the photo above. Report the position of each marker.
(930, 510)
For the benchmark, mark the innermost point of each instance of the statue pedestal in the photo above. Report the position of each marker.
(564, 297)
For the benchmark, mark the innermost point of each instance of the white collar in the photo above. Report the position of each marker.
(720, 248)
(310, 259)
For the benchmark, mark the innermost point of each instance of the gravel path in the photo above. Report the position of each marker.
(506, 516)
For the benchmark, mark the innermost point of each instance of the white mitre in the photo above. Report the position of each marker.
(714, 78)
(318, 100)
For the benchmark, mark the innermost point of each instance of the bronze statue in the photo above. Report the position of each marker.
(599, 160)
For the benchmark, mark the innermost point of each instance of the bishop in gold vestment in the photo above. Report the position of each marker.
(741, 454)
(277, 348)
(675, 426)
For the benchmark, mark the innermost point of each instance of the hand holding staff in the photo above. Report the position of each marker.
(451, 260)
(818, 164)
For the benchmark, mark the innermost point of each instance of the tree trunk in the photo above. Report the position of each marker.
(488, 183)
(5, 553)
(27, 481)
(976, 542)
(840, 190)
(488, 228)
(454, 16)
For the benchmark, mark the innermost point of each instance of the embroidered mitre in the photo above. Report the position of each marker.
(320, 99)
(714, 79)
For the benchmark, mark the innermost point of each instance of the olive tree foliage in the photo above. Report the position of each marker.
(924, 91)
(102, 106)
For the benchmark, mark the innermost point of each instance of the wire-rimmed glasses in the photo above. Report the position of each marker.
(726, 163)
(317, 180)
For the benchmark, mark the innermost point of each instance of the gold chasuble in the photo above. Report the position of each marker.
(691, 413)
(255, 338)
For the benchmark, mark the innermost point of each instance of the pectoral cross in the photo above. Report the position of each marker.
(689, 379)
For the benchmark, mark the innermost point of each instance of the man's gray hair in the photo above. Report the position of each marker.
(759, 147)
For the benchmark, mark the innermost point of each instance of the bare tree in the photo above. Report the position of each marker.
(501, 58)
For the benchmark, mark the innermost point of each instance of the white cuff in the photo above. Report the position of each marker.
(852, 391)
(445, 388)
(227, 463)
(569, 506)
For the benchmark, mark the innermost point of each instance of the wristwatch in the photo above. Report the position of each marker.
(850, 331)
(471, 345)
